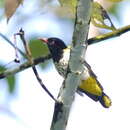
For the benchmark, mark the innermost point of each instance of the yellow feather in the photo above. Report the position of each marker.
(90, 85)
(107, 101)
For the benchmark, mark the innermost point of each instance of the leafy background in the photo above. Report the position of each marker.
(24, 105)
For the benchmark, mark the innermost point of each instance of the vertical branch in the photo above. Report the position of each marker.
(75, 68)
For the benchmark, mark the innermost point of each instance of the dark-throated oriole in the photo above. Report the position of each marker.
(89, 84)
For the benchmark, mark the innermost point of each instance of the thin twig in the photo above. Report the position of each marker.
(8, 41)
(16, 52)
(41, 83)
(24, 66)
(27, 49)
(30, 59)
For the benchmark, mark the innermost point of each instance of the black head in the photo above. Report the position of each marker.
(55, 43)
(56, 47)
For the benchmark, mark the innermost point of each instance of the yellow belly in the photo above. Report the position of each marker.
(90, 85)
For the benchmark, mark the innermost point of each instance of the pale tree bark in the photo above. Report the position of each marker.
(75, 68)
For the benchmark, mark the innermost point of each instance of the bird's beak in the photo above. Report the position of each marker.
(44, 40)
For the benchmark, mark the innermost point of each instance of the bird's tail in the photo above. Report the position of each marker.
(103, 99)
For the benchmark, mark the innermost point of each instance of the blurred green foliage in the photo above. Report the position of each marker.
(39, 49)
(10, 80)
(1, 3)
(2, 68)
(11, 83)
(99, 15)
(114, 11)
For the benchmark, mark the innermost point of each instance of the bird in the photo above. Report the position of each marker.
(89, 85)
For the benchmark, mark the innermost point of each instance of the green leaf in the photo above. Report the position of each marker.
(10, 80)
(11, 84)
(2, 68)
(114, 10)
(1, 3)
(100, 16)
(70, 4)
(38, 49)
